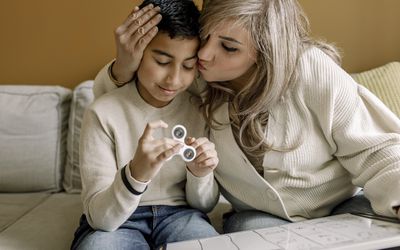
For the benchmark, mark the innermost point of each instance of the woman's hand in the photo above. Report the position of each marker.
(207, 158)
(151, 153)
(131, 38)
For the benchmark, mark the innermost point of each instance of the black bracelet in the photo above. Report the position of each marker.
(128, 185)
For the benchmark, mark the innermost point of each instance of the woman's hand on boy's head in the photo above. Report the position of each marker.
(207, 157)
(131, 39)
(151, 153)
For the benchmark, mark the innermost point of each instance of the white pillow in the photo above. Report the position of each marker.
(82, 96)
(33, 130)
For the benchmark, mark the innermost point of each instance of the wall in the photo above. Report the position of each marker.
(67, 42)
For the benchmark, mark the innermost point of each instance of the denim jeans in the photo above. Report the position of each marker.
(253, 219)
(149, 227)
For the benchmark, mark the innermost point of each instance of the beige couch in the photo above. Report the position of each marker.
(40, 183)
(39, 168)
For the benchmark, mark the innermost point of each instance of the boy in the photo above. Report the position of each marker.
(134, 197)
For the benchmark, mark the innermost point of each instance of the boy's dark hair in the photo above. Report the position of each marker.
(180, 18)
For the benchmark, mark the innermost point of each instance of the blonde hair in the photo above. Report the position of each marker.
(279, 31)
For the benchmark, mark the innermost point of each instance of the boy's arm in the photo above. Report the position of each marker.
(202, 192)
(107, 199)
(201, 188)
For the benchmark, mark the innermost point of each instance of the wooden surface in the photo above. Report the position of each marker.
(57, 42)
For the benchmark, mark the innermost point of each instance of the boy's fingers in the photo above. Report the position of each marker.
(164, 155)
(189, 140)
(151, 126)
(210, 163)
(168, 142)
(206, 155)
(199, 141)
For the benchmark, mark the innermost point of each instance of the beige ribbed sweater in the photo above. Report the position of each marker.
(111, 128)
(349, 139)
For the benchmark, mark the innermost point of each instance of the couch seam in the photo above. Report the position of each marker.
(27, 212)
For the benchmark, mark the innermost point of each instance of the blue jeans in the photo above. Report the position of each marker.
(253, 219)
(149, 227)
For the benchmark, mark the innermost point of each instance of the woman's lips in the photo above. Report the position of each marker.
(200, 66)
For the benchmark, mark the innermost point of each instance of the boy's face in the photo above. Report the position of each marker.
(168, 67)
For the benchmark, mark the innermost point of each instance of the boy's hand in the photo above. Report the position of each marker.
(131, 38)
(151, 153)
(207, 158)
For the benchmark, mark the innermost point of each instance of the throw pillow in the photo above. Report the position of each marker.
(33, 126)
(384, 82)
(82, 96)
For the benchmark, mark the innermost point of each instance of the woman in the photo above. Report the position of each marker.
(297, 138)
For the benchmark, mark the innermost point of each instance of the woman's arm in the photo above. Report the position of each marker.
(368, 142)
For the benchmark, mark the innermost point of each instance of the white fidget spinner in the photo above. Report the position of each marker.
(187, 153)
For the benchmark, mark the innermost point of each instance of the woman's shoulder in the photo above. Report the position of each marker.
(318, 72)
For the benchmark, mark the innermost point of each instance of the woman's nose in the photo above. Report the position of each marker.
(206, 53)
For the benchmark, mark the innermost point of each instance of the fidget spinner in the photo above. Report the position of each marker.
(187, 153)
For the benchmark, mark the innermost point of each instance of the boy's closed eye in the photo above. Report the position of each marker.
(188, 64)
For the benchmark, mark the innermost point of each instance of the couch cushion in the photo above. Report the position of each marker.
(15, 206)
(50, 225)
(384, 82)
(82, 96)
(33, 129)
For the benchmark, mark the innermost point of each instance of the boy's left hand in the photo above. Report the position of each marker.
(207, 158)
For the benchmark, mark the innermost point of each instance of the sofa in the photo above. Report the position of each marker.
(40, 183)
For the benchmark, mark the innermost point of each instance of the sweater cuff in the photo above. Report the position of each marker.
(134, 186)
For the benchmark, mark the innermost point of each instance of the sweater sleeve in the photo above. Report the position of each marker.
(367, 135)
(103, 83)
(201, 192)
(107, 201)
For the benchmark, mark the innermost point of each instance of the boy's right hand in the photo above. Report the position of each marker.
(131, 38)
(151, 153)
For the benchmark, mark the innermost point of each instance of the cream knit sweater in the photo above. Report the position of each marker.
(111, 128)
(348, 140)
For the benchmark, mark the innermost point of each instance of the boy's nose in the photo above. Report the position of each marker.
(173, 77)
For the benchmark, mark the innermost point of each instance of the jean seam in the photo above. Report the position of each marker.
(155, 214)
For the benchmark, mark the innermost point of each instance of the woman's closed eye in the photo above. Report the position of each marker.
(229, 49)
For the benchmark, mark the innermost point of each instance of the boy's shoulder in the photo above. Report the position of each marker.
(113, 99)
